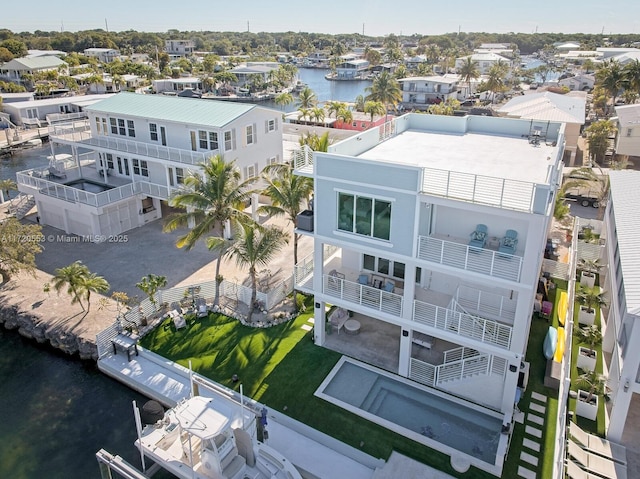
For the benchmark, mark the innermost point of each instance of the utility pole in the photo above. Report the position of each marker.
(106, 25)
(363, 29)
(247, 26)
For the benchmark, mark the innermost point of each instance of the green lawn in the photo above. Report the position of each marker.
(281, 367)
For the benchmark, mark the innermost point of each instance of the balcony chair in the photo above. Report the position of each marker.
(479, 236)
(363, 279)
(509, 242)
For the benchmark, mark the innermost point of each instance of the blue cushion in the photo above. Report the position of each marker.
(509, 242)
(388, 287)
(479, 235)
(363, 279)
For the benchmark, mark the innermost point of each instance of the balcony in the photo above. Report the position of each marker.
(367, 296)
(461, 256)
(456, 320)
(79, 133)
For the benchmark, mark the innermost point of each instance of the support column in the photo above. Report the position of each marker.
(405, 352)
(320, 323)
(509, 389)
(319, 310)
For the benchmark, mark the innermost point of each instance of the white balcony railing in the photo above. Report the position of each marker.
(438, 375)
(486, 303)
(478, 260)
(486, 190)
(462, 324)
(303, 273)
(303, 160)
(80, 132)
(362, 295)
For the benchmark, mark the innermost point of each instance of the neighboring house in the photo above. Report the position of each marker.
(360, 122)
(44, 53)
(33, 113)
(179, 48)
(627, 57)
(552, 107)
(108, 85)
(484, 61)
(140, 149)
(628, 125)
(580, 56)
(177, 84)
(609, 52)
(351, 69)
(15, 69)
(579, 82)
(396, 211)
(622, 331)
(566, 46)
(418, 93)
(247, 71)
(103, 55)
(414, 62)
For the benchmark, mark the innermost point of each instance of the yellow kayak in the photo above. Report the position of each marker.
(563, 304)
(557, 357)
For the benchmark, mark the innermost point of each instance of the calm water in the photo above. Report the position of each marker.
(57, 412)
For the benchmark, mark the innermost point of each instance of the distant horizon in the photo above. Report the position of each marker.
(373, 17)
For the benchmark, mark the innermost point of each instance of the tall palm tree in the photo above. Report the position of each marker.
(386, 90)
(359, 103)
(307, 99)
(284, 99)
(632, 75)
(255, 246)
(469, 71)
(71, 276)
(289, 193)
(374, 108)
(315, 142)
(345, 114)
(213, 202)
(612, 78)
(318, 114)
(334, 107)
(92, 283)
(496, 78)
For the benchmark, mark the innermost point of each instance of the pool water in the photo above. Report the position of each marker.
(440, 419)
(90, 186)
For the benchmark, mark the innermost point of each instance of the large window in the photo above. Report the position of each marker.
(363, 215)
(387, 267)
(179, 176)
(250, 138)
(207, 140)
(153, 131)
(140, 167)
(131, 128)
(228, 140)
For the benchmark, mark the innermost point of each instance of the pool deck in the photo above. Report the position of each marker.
(317, 455)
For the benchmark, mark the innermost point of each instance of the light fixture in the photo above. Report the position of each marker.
(626, 385)
(513, 368)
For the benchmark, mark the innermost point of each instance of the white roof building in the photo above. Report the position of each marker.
(484, 60)
(628, 123)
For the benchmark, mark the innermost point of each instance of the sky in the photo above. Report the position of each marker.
(375, 17)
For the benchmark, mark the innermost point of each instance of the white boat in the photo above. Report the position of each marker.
(212, 438)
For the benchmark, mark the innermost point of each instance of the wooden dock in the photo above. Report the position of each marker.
(13, 139)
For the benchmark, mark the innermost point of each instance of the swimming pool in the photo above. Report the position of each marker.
(426, 416)
(89, 185)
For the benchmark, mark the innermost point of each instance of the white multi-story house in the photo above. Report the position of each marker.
(179, 48)
(484, 61)
(628, 124)
(622, 287)
(103, 55)
(418, 93)
(177, 85)
(15, 69)
(410, 229)
(130, 151)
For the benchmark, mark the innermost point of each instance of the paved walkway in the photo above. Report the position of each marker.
(531, 444)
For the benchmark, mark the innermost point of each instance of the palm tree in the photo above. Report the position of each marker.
(595, 382)
(214, 201)
(345, 114)
(6, 186)
(469, 71)
(335, 107)
(590, 335)
(374, 108)
(304, 113)
(632, 75)
(496, 78)
(359, 103)
(386, 90)
(71, 276)
(612, 78)
(255, 245)
(590, 297)
(315, 142)
(92, 283)
(284, 99)
(317, 113)
(307, 99)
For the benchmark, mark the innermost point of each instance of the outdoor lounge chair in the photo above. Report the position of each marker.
(363, 279)
(574, 472)
(201, 308)
(479, 236)
(509, 242)
(597, 445)
(596, 464)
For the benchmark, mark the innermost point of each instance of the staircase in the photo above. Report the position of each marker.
(21, 205)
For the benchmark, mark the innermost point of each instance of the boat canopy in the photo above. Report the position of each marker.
(198, 417)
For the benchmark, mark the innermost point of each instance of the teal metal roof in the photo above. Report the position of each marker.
(208, 113)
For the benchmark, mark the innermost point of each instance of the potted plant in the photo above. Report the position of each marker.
(588, 269)
(589, 299)
(587, 401)
(591, 336)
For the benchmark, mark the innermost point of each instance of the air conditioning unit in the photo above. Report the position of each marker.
(304, 221)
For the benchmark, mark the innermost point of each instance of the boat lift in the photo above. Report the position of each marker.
(110, 463)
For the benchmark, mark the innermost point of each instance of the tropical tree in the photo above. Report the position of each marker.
(213, 201)
(595, 383)
(632, 76)
(469, 71)
(307, 99)
(612, 78)
(590, 335)
(345, 114)
(92, 283)
(374, 108)
(254, 246)
(446, 108)
(317, 114)
(304, 114)
(386, 90)
(19, 245)
(316, 142)
(6, 186)
(334, 107)
(496, 78)
(591, 297)
(359, 103)
(598, 134)
(79, 282)
(150, 284)
(284, 99)
(597, 182)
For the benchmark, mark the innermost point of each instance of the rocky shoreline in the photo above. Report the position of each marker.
(51, 318)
